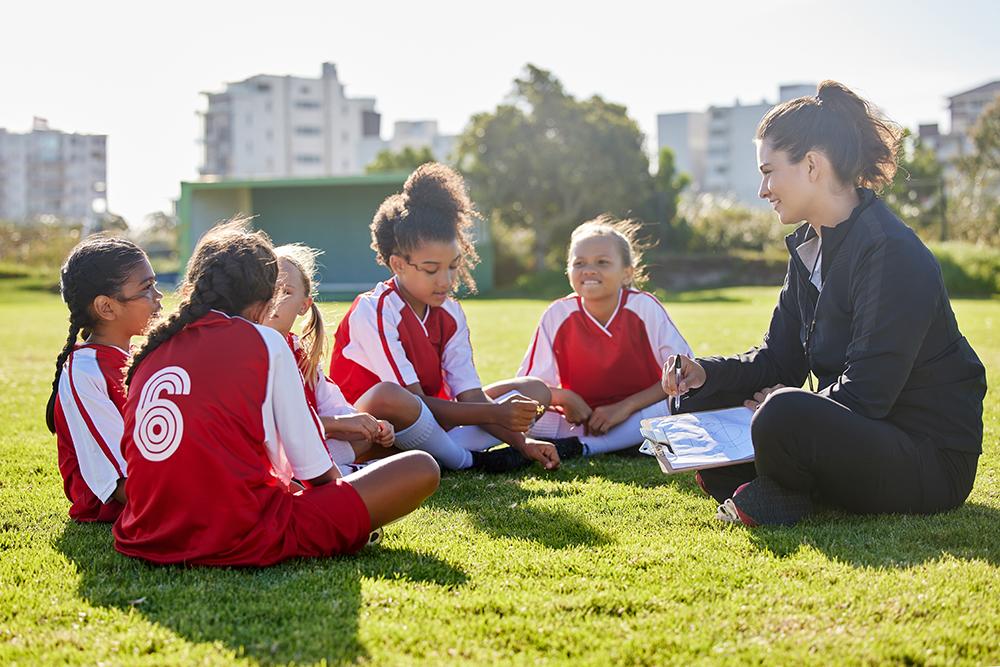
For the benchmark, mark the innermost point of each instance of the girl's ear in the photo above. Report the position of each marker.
(104, 308)
(629, 276)
(306, 305)
(397, 264)
(814, 161)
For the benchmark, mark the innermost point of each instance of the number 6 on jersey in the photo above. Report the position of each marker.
(159, 424)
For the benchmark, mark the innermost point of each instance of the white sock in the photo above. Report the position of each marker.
(473, 438)
(427, 435)
(625, 434)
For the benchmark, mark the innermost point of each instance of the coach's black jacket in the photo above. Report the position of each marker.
(884, 343)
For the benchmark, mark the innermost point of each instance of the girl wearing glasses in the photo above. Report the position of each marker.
(409, 330)
(110, 290)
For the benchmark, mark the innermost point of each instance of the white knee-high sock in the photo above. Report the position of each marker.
(472, 438)
(340, 451)
(624, 435)
(427, 435)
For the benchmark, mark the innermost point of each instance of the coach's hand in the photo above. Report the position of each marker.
(516, 413)
(759, 397)
(692, 376)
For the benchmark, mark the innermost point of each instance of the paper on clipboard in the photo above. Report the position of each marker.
(699, 440)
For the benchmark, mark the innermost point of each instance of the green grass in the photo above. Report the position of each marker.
(605, 561)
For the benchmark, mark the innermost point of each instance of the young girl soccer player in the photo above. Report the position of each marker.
(215, 404)
(409, 330)
(353, 433)
(110, 290)
(601, 349)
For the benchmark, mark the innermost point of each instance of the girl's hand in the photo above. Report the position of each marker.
(386, 434)
(759, 397)
(574, 408)
(360, 426)
(516, 413)
(606, 417)
(543, 452)
(692, 376)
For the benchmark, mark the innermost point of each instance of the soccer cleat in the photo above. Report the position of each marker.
(764, 502)
(505, 459)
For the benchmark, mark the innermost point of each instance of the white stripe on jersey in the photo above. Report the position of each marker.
(95, 424)
(293, 435)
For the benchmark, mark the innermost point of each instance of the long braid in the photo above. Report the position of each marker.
(97, 266)
(230, 269)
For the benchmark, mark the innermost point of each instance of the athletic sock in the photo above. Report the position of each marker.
(427, 435)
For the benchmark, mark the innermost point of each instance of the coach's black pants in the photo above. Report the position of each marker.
(812, 444)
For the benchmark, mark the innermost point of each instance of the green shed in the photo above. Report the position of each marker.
(331, 214)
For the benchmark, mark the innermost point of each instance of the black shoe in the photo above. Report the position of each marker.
(764, 502)
(504, 459)
(721, 483)
(567, 448)
(629, 452)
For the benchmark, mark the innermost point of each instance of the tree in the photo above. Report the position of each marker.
(985, 136)
(546, 162)
(669, 184)
(406, 160)
(917, 193)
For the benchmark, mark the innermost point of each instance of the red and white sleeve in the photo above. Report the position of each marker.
(95, 424)
(457, 362)
(539, 360)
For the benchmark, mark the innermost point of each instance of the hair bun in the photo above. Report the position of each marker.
(436, 186)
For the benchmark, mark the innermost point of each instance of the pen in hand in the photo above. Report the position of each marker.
(677, 382)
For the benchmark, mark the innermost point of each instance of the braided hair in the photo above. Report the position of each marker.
(433, 206)
(97, 266)
(231, 268)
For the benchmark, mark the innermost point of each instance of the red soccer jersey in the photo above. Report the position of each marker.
(89, 423)
(324, 397)
(607, 363)
(210, 414)
(381, 339)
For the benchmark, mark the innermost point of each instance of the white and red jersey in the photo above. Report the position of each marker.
(210, 414)
(325, 397)
(606, 363)
(381, 339)
(89, 423)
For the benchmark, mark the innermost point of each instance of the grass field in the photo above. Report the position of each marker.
(605, 561)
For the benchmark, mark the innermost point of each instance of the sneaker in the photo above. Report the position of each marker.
(567, 448)
(721, 483)
(764, 502)
(505, 459)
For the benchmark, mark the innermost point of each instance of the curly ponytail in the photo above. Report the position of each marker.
(231, 268)
(433, 206)
(97, 266)
(860, 142)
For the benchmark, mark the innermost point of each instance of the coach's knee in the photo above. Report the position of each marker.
(775, 424)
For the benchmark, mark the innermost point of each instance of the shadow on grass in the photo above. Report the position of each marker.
(501, 506)
(302, 610)
(971, 532)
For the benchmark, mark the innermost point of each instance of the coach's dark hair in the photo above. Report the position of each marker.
(231, 268)
(97, 266)
(858, 139)
(433, 206)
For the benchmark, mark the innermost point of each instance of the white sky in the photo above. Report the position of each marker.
(134, 70)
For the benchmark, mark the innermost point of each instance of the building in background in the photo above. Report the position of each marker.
(294, 127)
(46, 172)
(417, 134)
(285, 126)
(715, 147)
(964, 109)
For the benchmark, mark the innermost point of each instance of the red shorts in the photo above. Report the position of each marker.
(329, 519)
